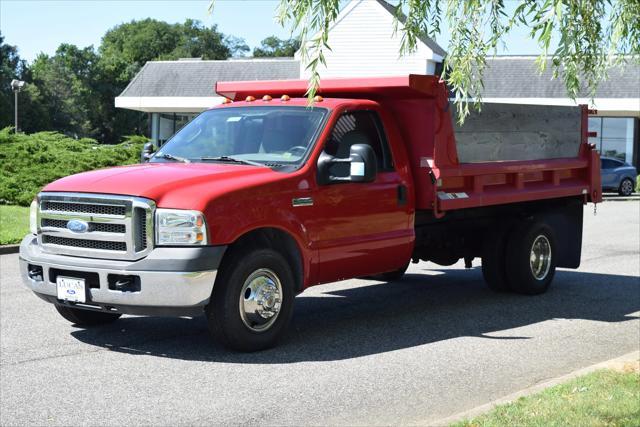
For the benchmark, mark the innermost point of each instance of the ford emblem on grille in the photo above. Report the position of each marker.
(77, 226)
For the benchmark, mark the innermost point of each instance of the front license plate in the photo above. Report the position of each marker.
(71, 289)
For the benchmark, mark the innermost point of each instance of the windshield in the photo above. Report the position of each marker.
(275, 136)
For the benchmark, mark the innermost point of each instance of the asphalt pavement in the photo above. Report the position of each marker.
(359, 352)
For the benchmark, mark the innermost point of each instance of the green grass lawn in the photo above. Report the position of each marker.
(602, 398)
(14, 224)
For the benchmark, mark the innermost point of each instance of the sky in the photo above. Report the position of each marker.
(41, 26)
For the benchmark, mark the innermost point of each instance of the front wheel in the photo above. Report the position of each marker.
(531, 258)
(252, 300)
(626, 187)
(86, 317)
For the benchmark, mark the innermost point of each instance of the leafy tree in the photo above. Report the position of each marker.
(34, 115)
(127, 47)
(11, 67)
(237, 46)
(73, 90)
(64, 88)
(198, 41)
(592, 35)
(276, 47)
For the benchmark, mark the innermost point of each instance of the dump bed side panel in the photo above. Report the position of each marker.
(517, 153)
(512, 132)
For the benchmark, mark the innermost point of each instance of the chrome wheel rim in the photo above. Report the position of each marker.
(260, 300)
(627, 188)
(540, 257)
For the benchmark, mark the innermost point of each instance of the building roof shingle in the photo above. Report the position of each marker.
(197, 78)
(519, 77)
(504, 77)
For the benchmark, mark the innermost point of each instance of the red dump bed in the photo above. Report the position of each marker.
(512, 154)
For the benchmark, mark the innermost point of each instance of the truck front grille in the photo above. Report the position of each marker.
(141, 235)
(103, 245)
(96, 209)
(117, 227)
(102, 227)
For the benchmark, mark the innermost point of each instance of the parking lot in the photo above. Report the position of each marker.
(359, 352)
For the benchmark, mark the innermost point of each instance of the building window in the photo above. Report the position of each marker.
(615, 136)
(165, 125)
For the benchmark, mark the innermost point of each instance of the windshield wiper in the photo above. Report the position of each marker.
(231, 160)
(174, 158)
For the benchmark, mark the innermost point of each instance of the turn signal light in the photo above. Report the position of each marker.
(250, 98)
(285, 98)
(266, 98)
(318, 98)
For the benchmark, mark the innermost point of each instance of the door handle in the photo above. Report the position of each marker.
(402, 195)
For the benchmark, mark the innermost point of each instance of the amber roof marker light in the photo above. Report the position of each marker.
(266, 98)
(285, 98)
(227, 101)
(318, 98)
(250, 98)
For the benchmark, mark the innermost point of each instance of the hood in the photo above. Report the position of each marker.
(158, 181)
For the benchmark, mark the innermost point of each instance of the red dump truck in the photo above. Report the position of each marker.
(263, 196)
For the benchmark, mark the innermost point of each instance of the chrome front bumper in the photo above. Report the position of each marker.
(172, 281)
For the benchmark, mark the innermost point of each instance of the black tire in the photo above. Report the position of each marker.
(626, 187)
(520, 267)
(494, 254)
(224, 317)
(392, 276)
(86, 317)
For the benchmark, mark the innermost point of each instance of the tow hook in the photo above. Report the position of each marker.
(124, 283)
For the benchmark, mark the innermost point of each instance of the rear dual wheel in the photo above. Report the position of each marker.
(493, 258)
(521, 258)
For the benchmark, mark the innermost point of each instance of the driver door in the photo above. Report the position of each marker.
(361, 228)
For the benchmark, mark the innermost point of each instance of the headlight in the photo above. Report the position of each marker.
(33, 217)
(180, 227)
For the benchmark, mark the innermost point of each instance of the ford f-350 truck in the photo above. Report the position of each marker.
(263, 196)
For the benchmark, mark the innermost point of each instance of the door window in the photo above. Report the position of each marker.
(358, 127)
(610, 164)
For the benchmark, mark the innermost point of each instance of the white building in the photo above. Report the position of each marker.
(363, 45)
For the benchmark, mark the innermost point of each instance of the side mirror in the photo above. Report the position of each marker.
(362, 165)
(147, 150)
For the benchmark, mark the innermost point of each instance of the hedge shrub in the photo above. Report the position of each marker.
(29, 162)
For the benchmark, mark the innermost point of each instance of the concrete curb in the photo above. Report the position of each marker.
(621, 199)
(615, 197)
(9, 249)
(479, 410)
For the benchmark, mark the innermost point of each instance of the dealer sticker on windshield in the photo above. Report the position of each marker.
(71, 289)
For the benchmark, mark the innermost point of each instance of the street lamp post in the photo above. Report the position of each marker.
(17, 86)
